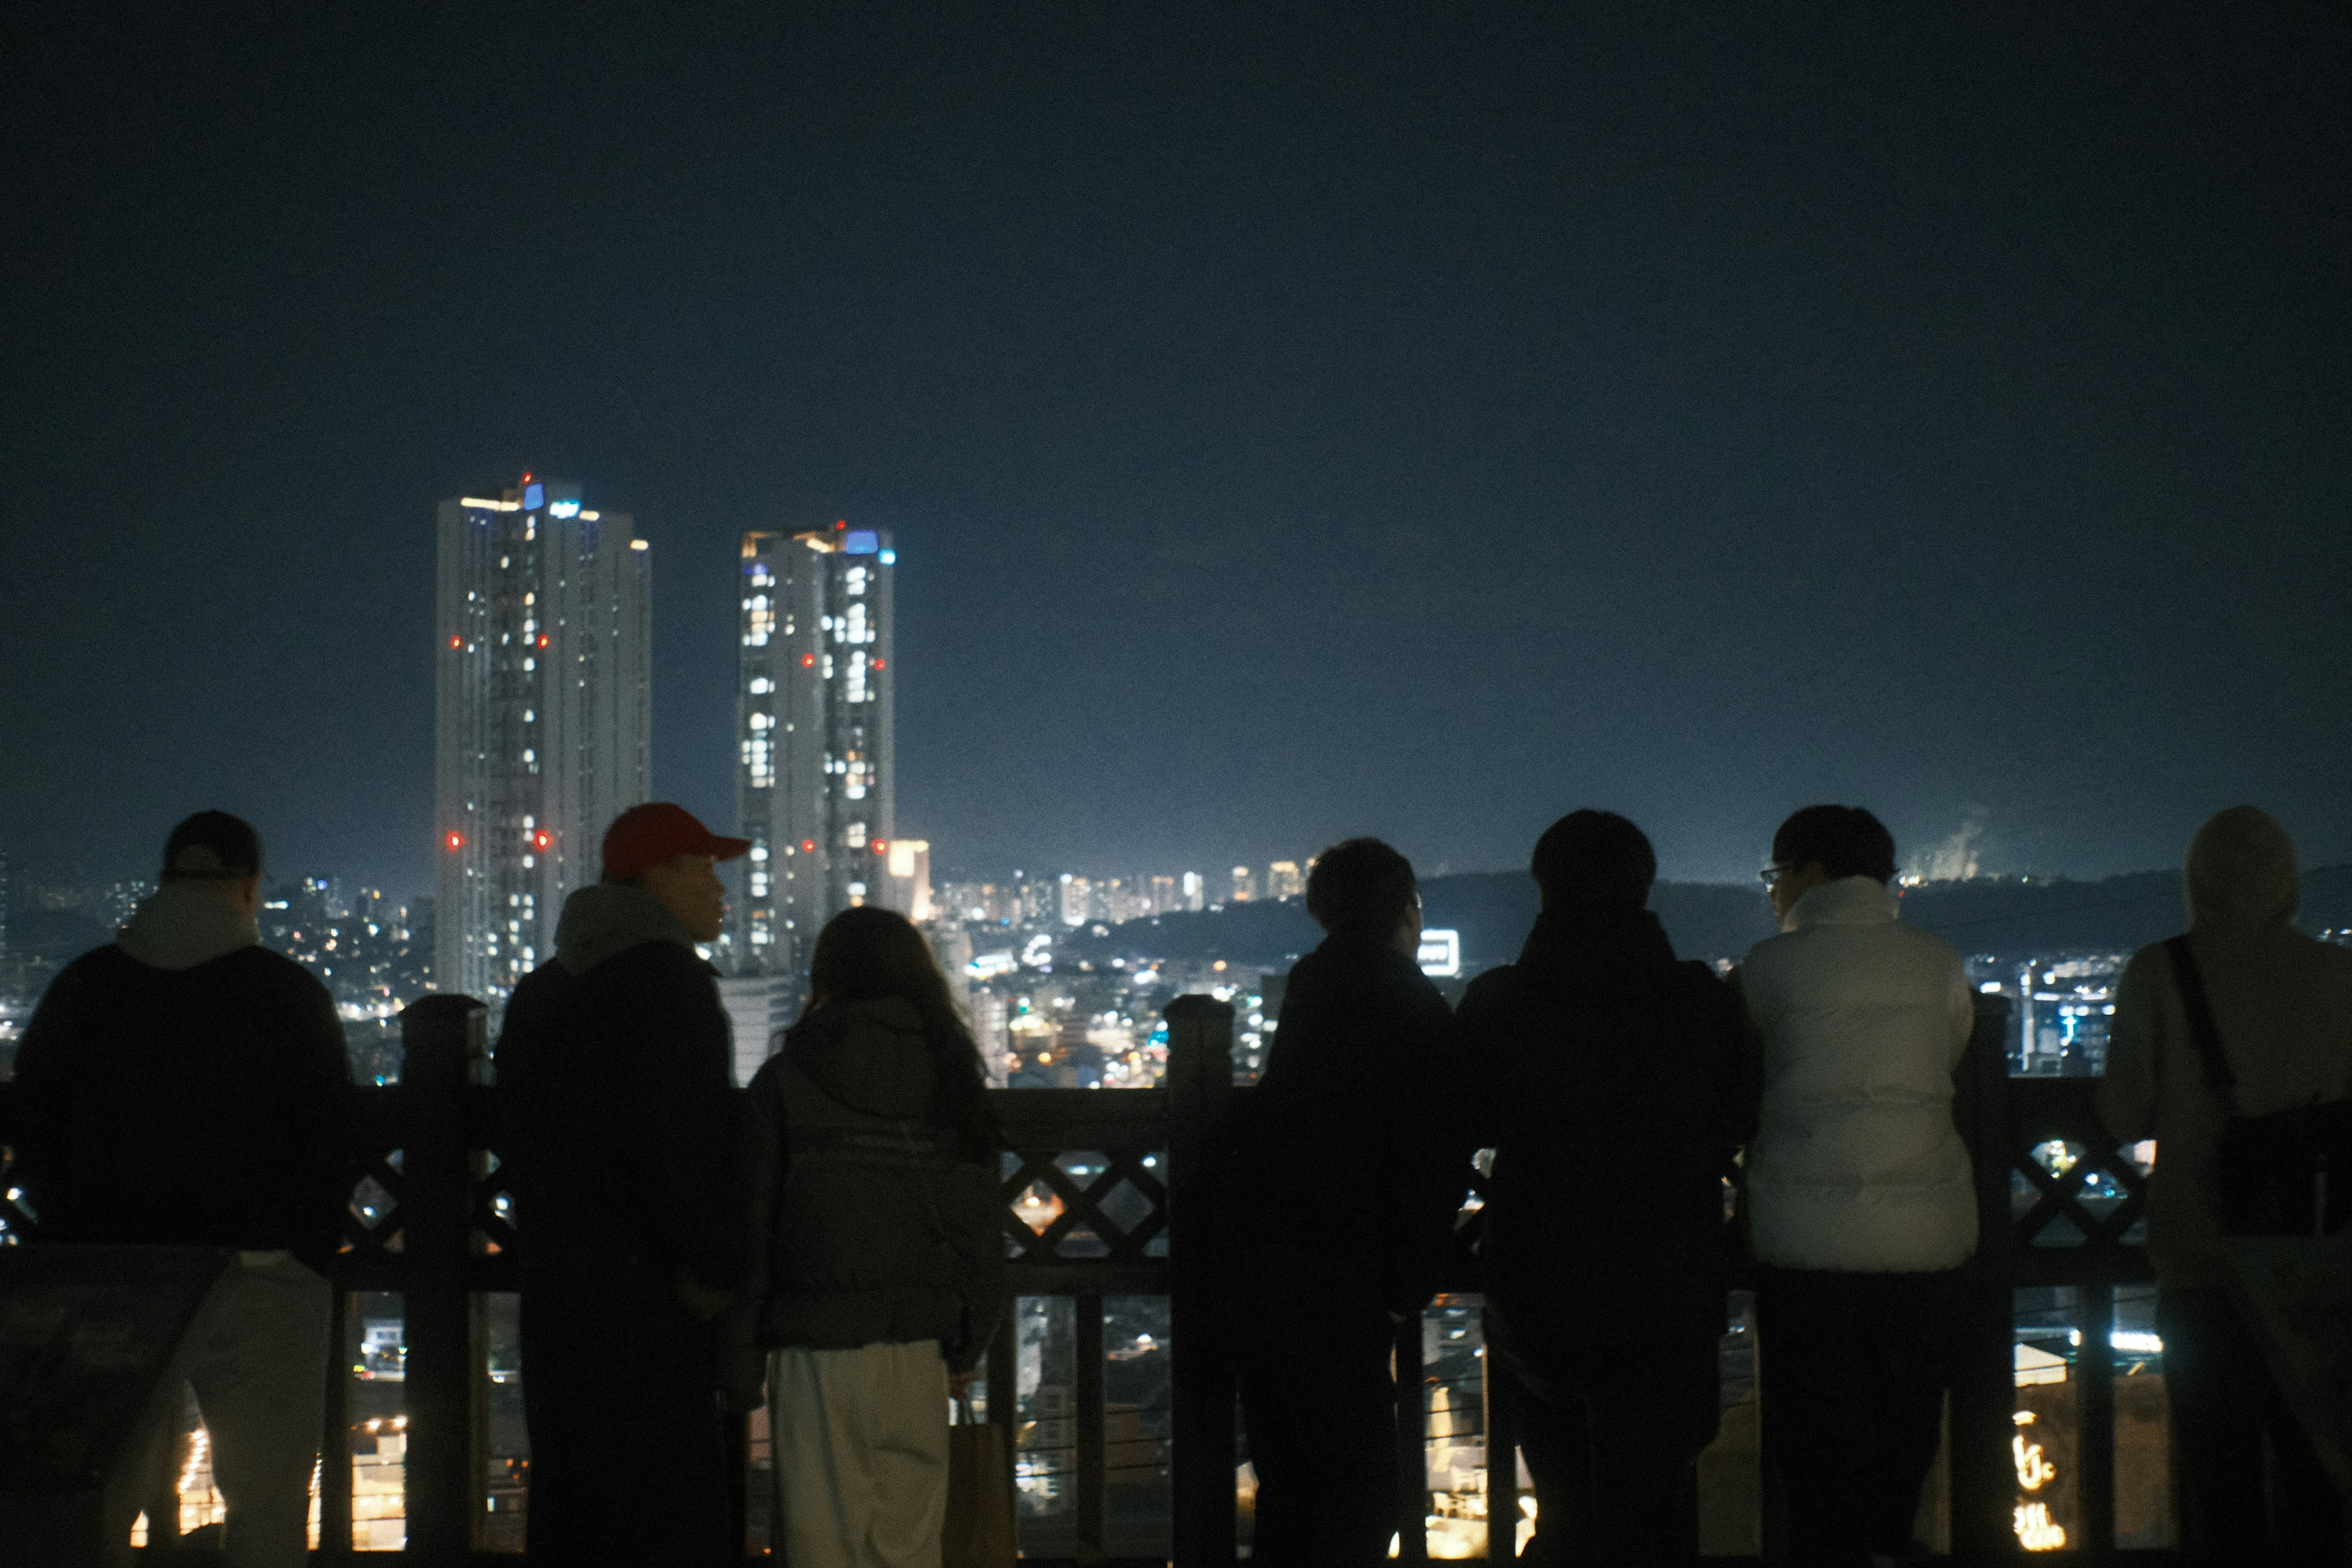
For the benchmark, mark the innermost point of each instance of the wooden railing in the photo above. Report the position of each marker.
(1134, 1224)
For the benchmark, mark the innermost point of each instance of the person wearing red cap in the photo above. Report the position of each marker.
(620, 1112)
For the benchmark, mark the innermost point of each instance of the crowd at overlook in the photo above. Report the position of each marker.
(829, 1242)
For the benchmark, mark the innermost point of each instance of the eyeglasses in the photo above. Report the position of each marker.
(1771, 874)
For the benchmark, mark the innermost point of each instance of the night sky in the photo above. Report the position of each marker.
(1417, 421)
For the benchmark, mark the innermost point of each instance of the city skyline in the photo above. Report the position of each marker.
(1419, 428)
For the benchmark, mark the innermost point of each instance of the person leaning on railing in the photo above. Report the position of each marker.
(1607, 1078)
(1862, 1201)
(1339, 1213)
(615, 1076)
(2281, 1005)
(187, 1086)
(878, 1246)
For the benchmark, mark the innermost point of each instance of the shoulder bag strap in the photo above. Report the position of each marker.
(2202, 1034)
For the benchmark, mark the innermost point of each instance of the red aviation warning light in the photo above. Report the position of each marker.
(878, 664)
(456, 642)
(542, 639)
(541, 839)
(881, 847)
(456, 841)
(808, 661)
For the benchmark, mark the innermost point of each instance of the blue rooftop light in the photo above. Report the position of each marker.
(533, 497)
(889, 558)
(860, 542)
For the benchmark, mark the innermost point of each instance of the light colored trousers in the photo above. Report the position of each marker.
(861, 1455)
(258, 1367)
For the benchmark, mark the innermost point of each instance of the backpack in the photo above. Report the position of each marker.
(2287, 1173)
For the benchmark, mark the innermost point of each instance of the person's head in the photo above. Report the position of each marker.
(2242, 871)
(1827, 844)
(219, 853)
(1365, 890)
(666, 851)
(1594, 859)
(869, 954)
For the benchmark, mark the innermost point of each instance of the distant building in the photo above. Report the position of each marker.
(1195, 893)
(2065, 1010)
(543, 719)
(1077, 900)
(814, 737)
(906, 884)
(1282, 880)
(760, 1008)
(1245, 884)
(1164, 896)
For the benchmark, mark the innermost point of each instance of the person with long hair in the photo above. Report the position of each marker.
(878, 1242)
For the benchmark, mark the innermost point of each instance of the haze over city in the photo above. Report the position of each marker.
(1289, 428)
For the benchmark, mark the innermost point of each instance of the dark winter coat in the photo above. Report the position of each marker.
(1608, 1078)
(1345, 1158)
(872, 1223)
(615, 1085)
(202, 1104)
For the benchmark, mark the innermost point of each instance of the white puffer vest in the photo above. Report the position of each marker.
(1856, 1165)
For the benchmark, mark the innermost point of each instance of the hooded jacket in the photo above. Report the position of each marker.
(2281, 1003)
(615, 1082)
(870, 1223)
(1856, 1165)
(187, 1086)
(1608, 1079)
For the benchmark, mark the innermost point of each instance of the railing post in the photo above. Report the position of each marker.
(1502, 1459)
(1200, 1394)
(1984, 1384)
(444, 1039)
(1412, 1445)
(1087, 1425)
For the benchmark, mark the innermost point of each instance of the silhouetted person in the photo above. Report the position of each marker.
(621, 1117)
(1607, 1078)
(878, 1237)
(1342, 1207)
(187, 1086)
(1863, 1207)
(2280, 1004)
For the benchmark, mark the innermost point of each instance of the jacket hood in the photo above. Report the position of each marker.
(608, 918)
(2242, 871)
(870, 1056)
(1594, 953)
(182, 924)
(1849, 901)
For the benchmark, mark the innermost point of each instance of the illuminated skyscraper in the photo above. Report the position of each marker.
(542, 723)
(812, 779)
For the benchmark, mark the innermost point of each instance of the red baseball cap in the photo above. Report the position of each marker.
(646, 835)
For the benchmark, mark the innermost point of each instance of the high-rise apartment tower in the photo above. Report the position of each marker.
(813, 781)
(543, 719)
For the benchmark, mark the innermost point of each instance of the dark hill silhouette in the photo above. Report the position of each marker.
(2011, 919)
(55, 936)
